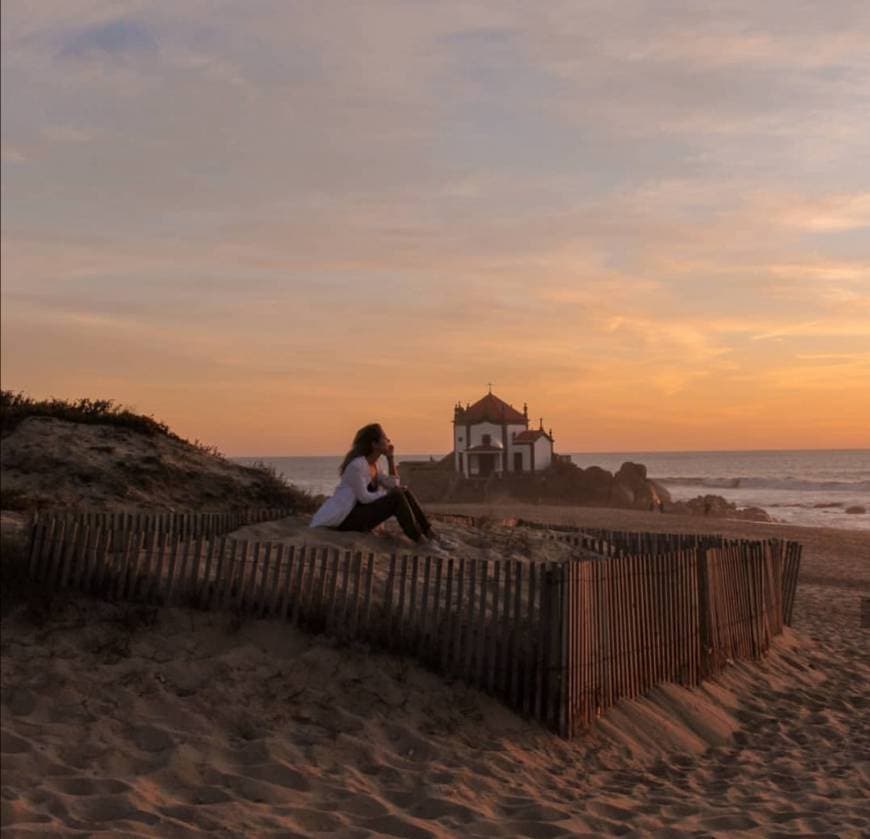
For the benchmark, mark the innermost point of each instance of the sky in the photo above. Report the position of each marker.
(269, 223)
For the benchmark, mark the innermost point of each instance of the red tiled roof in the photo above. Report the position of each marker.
(531, 435)
(491, 409)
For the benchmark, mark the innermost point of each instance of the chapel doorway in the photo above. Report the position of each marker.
(486, 464)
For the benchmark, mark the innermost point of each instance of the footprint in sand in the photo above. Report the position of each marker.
(80, 785)
(20, 701)
(280, 775)
(392, 825)
(434, 808)
(12, 744)
(150, 738)
(728, 822)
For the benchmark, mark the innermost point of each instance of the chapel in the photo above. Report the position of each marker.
(493, 437)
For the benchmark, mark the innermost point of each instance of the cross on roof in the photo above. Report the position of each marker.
(489, 385)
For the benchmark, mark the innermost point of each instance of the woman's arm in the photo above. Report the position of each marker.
(391, 479)
(357, 478)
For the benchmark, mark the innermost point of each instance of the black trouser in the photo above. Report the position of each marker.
(399, 502)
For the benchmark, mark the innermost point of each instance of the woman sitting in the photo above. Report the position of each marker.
(365, 496)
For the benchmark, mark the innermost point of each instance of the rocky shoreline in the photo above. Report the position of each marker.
(565, 483)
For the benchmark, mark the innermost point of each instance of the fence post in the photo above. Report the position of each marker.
(704, 613)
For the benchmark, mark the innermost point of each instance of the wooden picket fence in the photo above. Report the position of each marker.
(560, 642)
(614, 543)
(186, 524)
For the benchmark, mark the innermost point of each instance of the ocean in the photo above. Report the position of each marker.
(806, 487)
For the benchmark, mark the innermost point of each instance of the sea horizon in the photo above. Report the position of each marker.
(595, 451)
(809, 487)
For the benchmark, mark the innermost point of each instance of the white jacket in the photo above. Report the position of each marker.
(352, 488)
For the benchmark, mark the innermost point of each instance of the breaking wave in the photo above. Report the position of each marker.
(795, 484)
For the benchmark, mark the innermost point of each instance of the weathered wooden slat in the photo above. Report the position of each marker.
(321, 585)
(547, 665)
(190, 579)
(38, 536)
(249, 584)
(47, 547)
(281, 591)
(447, 621)
(317, 568)
(458, 615)
(479, 678)
(54, 554)
(607, 624)
(437, 611)
(693, 633)
(69, 552)
(516, 638)
(531, 646)
(355, 591)
(343, 606)
(204, 590)
(399, 627)
(82, 579)
(274, 587)
(261, 599)
(169, 591)
(100, 562)
(229, 584)
(670, 603)
(621, 612)
(569, 639)
(598, 635)
(299, 584)
(121, 567)
(592, 648)
(331, 588)
(302, 582)
(414, 631)
(505, 630)
(389, 597)
(136, 577)
(367, 601)
(680, 674)
(540, 712)
(645, 634)
(425, 610)
(471, 622)
(215, 590)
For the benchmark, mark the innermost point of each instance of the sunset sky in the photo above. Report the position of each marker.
(267, 223)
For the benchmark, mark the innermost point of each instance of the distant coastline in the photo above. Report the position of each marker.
(809, 487)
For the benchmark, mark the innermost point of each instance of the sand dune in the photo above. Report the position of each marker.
(123, 720)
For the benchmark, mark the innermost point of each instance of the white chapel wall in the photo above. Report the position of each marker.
(477, 432)
(526, 453)
(543, 453)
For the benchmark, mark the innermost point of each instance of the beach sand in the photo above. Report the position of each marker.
(125, 720)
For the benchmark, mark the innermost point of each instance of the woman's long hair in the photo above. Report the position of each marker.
(363, 442)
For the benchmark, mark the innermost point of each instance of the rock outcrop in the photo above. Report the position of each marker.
(716, 506)
(564, 483)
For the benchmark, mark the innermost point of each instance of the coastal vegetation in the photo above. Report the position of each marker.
(99, 454)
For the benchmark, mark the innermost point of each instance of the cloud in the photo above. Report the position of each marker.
(583, 199)
(117, 39)
(832, 213)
